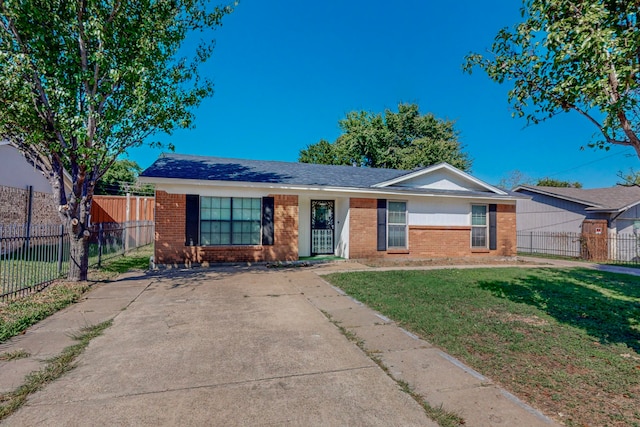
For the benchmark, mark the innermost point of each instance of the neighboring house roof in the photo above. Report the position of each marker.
(176, 167)
(17, 172)
(610, 199)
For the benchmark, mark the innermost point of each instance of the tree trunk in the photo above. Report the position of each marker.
(79, 260)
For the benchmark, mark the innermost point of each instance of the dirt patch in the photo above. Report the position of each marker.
(529, 320)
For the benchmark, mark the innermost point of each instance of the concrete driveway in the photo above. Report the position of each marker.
(245, 346)
(229, 347)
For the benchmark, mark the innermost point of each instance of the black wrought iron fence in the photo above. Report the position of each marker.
(33, 257)
(613, 248)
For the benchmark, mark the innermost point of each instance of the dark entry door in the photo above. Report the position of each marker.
(322, 226)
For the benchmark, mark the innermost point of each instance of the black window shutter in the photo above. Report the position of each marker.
(192, 217)
(493, 227)
(267, 220)
(382, 224)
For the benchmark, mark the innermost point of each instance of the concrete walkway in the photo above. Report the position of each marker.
(245, 346)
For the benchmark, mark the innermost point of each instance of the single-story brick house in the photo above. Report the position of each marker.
(211, 209)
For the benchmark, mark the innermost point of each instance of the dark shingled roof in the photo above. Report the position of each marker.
(608, 199)
(181, 166)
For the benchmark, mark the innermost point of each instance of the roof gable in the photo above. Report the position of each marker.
(16, 171)
(442, 176)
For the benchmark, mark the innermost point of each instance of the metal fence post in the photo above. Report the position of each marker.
(60, 249)
(100, 238)
(125, 236)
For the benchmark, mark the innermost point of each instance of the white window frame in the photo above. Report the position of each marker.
(485, 226)
(405, 224)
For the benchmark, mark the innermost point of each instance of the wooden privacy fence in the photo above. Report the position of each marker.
(121, 209)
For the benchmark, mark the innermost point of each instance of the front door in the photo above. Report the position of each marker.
(322, 226)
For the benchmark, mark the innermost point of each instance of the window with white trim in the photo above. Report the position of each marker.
(230, 221)
(479, 227)
(396, 225)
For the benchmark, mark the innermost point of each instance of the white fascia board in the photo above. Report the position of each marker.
(612, 210)
(363, 192)
(439, 166)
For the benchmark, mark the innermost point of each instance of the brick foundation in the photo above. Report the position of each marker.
(170, 248)
(426, 241)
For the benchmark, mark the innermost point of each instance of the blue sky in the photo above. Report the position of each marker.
(286, 71)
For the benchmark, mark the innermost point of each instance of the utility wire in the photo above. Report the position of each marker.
(626, 154)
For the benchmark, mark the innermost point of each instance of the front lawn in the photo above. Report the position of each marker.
(565, 340)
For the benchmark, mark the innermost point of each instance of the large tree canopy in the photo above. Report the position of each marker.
(83, 81)
(402, 140)
(581, 55)
(515, 178)
(121, 178)
(550, 182)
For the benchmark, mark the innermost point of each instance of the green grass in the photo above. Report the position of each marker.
(26, 268)
(17, 315)
(551, 256)
(54, 369)
(567, 341)
(135, 260)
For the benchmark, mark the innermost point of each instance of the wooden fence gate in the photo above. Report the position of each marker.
(593, 241)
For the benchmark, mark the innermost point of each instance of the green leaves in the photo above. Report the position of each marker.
(402, 140)
(99, 77)
(81, 82)
(572, 55)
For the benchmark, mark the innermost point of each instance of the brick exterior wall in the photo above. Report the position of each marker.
(363, 232)
(170, 248)
(507, 241)
(14, 206)
(426, 241)
(439, 241)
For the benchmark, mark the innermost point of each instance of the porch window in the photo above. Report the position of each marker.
(397, 224)
(230, 221)
(479, 226)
